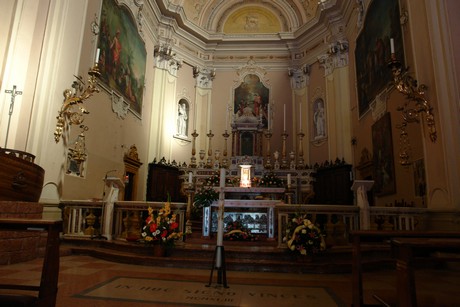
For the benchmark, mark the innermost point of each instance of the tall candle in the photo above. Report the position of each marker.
(269, 115)
(392, 45)
(226, 118)
(300, 115)
(222, 177)
(190, 177)
(289, 180)
(98, 51)
(284, 117)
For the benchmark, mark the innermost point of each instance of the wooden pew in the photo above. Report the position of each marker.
(404, 250)
(381, 236)
(47, 290)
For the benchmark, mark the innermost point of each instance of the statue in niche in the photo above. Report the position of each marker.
(182, 119)
(319, 119)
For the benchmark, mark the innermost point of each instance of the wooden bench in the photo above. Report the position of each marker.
(380, 236)
(47, 290)
(404, 250)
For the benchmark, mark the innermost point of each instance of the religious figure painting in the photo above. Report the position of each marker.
(384, 169)
(373, 50)
(122, 58)
(251, 99)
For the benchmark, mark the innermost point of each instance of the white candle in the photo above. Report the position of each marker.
(269, 115)
(98, 51)
(284, 117)
(226, 117)
(392, 45)
(300, 115)
(190, 177)
(289, 180)
(222, 177)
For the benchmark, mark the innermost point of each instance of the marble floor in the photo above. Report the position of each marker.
(80, 274)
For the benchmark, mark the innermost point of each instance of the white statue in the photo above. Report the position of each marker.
(182, 119)
(319, 119)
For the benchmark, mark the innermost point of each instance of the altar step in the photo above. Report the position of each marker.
(261, 256)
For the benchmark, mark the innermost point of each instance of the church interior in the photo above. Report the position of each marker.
(308, 149)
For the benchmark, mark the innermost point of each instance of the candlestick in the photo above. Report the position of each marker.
(289, 180)
(392, 45)
(190, 177)
(284, 117)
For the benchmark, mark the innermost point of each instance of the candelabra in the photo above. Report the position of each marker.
(268, 136)
(284, 163)
(209, 160)
(224, 154)
(72, 110)
(300, 163)
(190, 190)
(193, 159)
(415, 103)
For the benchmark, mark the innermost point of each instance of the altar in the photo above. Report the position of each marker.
(254, 207)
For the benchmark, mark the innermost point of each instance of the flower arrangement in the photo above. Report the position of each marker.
(204, 197)
(236, 231)
(303, 236)
(270, 179)
(213, 180)
(161, 227)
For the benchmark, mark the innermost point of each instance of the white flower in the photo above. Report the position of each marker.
(304, 231)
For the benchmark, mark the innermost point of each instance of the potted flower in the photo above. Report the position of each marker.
(270, 180)
(161, 228)
(204, 197)
(304, 237)
(236, 231)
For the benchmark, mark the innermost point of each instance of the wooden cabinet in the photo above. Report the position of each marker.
(333, 185)
(164, 179)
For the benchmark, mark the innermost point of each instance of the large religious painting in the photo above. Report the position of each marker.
(373, 50)
(122, 59)
(384, 169)
(251, 98)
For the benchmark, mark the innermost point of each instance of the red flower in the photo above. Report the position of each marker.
(153, 227)
(164, 233)
(174, 225)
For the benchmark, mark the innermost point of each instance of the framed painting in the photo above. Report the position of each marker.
(373, 50)
(384, 168)
(252, 96)
(122, 59)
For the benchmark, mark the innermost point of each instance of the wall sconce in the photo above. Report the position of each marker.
(415, 105)
(72, 111)
(164, 51)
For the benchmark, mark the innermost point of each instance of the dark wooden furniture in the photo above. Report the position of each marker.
(163, 180)
(404, 250)
(47, 290)
(360, 236)
(333, 185)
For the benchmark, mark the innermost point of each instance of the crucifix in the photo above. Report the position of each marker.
(13, 93)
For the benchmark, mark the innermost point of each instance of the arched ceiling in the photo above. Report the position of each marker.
(282, 26)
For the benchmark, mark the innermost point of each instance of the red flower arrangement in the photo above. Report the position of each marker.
(161, 226)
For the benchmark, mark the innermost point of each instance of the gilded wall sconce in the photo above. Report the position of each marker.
(72, 110)
(415, 107)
